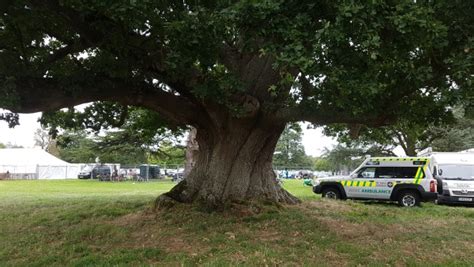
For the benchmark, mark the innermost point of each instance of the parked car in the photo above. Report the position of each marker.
(101, 172)
(408, 181)
(86, 173)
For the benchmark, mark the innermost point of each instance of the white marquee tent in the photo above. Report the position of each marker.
(35, 164)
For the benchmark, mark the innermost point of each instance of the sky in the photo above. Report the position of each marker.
(313, 139)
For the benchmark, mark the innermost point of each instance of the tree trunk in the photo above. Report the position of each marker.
(192, 148)
(233, 165)
(410, 147)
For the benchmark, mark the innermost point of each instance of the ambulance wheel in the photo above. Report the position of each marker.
(409, 199)
(331, 193)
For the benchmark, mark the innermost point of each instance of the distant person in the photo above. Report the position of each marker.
(122, 174)
(115, 174)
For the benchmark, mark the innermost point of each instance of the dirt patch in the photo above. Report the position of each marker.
(176, 244)
(367, 231)
(147, 230)
(401, 242)
(133, 219)
(328, 205)
(239, 257)
(268, 235)
(333, 257)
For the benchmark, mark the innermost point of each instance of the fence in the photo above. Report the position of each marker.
(127, 171)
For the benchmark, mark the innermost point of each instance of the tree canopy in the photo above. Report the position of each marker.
(239, 71)
(374, 57)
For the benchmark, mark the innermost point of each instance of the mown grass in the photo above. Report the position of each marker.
(91, 223)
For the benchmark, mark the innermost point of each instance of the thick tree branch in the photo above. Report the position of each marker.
(43, 94)
(255, 70)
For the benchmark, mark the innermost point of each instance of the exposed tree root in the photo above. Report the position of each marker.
(182, 193)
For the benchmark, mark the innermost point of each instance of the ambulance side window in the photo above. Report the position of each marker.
(366, 173)
(398, 172)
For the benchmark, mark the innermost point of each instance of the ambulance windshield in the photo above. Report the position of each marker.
(458, 172)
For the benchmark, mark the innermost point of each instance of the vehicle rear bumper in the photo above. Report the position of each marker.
(455, 200)
(429, 196)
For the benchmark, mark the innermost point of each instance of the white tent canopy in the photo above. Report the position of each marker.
(35, 164)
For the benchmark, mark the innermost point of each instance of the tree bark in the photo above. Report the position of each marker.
(233, 165)
(192, 148)
(410, 147)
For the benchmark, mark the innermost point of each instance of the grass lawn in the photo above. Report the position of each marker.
(89, 223)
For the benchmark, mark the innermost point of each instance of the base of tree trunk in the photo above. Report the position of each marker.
(181, 193)
(233, 165)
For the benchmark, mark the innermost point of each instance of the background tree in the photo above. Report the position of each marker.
(43, 139)
(170, 154)
(343, 159)
(76, 147)
(127, 145)
(289, 151)
(115, 134)
(410, 137)
(454, 135)
(2, 146)
(322, 164)
(238, 71)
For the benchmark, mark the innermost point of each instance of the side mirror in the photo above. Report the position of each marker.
(354, 175)
(440, 172)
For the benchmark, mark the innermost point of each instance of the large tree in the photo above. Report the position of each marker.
(238, 71)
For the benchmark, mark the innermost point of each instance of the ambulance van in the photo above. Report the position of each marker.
(408, 181)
